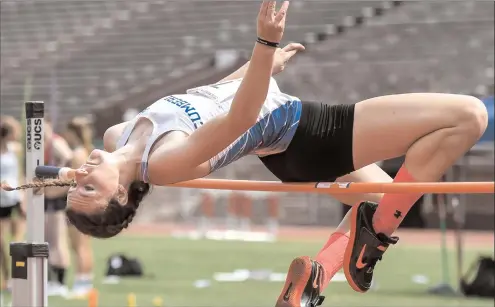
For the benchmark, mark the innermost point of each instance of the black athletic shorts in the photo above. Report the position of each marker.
(6, 212)
(55, 204)
(321, 149)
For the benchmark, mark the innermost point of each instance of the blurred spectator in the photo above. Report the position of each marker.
(57, 153)
(10, 202)
(79, 135)
(17, 221)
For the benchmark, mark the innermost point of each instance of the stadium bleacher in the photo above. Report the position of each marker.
(50, 30)
(94, 54)
(419, 47)
(160, 41)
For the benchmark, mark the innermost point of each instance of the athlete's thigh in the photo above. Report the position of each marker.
(369, 173)
(385, 127)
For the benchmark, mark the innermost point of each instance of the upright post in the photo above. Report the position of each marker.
(29, 259)
(444, 288)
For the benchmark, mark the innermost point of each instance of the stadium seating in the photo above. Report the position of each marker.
(157, 43)
(416, 47)
(419, 47)
(51, 30)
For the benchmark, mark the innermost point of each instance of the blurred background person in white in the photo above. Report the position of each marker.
(57, 153)
(13, 140)
(10, 203)
(79, 135)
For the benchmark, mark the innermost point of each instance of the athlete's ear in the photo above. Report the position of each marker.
(122, 195)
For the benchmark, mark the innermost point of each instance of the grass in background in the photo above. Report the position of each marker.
(172, 267)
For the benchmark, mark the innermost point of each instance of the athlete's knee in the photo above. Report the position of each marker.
(472, 117)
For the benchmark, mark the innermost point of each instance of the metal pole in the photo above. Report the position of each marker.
(443, 288)
(459, 203)
(29, 259)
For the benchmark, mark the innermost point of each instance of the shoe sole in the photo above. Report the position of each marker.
(348, 251)
(298, 275)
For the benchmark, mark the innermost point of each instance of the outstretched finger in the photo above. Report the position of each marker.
(270, 12)
(293, 46)
(290, 50)
(263, 9)
(282, 13)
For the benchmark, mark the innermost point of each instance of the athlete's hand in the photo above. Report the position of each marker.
(283, 55)
(271, 24)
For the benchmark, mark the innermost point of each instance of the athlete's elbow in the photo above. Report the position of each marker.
(240, 124)
(246, 108)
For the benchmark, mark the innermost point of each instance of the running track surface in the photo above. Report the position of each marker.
(319, 234)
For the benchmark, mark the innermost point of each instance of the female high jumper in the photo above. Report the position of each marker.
(188, 136)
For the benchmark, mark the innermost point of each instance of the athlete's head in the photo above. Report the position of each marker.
(98, 204)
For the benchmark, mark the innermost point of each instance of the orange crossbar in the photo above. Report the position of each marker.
(342, 187)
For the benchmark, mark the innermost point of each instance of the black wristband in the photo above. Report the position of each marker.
(267, 43)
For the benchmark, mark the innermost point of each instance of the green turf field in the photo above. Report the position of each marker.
(174, 265)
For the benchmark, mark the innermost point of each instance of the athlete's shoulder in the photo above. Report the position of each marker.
(112, 135)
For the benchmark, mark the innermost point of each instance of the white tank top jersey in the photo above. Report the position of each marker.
(272, 133)
(9, 172)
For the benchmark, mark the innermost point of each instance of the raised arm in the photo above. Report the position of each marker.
(220, 132)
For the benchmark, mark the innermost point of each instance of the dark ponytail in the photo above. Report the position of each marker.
(114, 218)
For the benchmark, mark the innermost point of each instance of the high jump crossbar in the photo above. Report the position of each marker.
(316, 187)
(342, 187)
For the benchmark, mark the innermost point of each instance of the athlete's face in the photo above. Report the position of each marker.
(97, 181)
